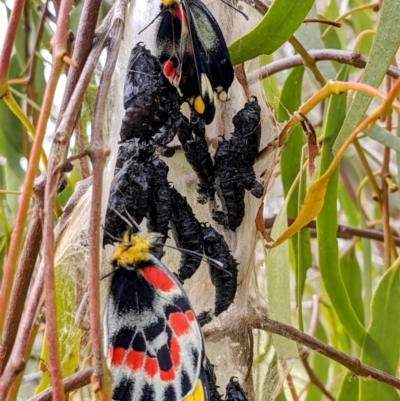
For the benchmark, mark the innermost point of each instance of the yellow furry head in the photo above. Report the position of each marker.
(134, 249)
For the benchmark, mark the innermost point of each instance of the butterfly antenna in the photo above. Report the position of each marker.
(108, 274)
(152, 22)
(212, 261)
(236, 9)
(116, 239)
(132, 220)
(128, 220)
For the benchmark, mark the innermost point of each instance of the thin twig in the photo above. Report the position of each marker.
(314, 378)
(17, 360)
(8, 44)
(385, 206)
(16, 383)
(101, 379)
(323, 21)
(354, 59)
(58, 152)
(343, 231)
(262, 322)
(59, 45)
(82, 48)
(23, 275)
(236, 319)
(72, 383)
(81, 145)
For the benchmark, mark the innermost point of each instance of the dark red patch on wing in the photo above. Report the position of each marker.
(178, 13)
(170, 71)
(175, 351)
(158, 279)
(151, 367)
(179, 323)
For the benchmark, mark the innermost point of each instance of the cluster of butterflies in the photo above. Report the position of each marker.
(154, 342)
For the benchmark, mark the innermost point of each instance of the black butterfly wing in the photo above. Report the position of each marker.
(168, 43)
(211, 53)
(195, 83)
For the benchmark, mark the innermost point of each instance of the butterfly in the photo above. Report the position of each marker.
(194, 55)
(155, 345)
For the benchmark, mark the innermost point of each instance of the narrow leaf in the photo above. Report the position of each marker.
(278, 288)
(385, 46)
(327, 223)
(381, 348)
(278, 25)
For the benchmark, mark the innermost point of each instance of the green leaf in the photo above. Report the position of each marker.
(290, 101)
(278, 287)
(327, 223)
(320, 365)
(278, 25)
(309, 35)
(351, 275)
(384, 137)
(348, 206)
(385, 46)
(348, 388)
(381, 348)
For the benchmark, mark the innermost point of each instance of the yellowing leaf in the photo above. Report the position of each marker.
(313, 203)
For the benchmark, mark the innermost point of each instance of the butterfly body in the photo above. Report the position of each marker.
(155, 346)
(194, 55)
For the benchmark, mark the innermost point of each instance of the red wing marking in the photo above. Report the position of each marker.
(134, 360)
(190, 315)
(151, 367)
(179, 323)
(175, 350)
(116, 356)
(167, 376)
(120, 356)
(178, 13)
(158, 279)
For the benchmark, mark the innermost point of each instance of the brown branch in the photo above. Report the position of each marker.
(20, 221)
(17, 360)
(16, 363)
(389, 247)
(323, 21)
(23, 275)
(32, 63)
(260, 321)
(8, 44)
(98, 152)
(237, 319)
(82, 49)
(81, 145)
(58, 152)
(354, 59)
(72, 383)
(343, 231)
(314, 378)
(59, 47)
(28, 345)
